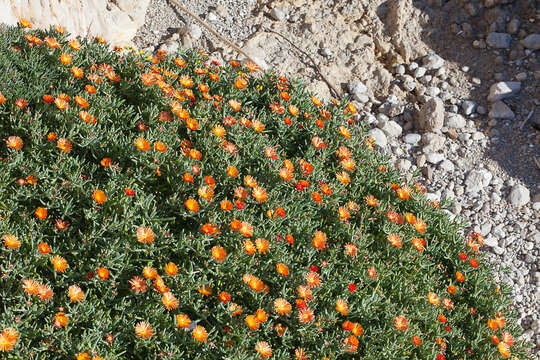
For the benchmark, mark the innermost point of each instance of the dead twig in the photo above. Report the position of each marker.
(527, 119)
(214, 32)
(314, 65)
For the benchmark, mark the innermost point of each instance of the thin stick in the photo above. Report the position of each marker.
(317, 69)
(200, 21)
(527, 119)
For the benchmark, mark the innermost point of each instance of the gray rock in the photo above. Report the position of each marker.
(531, 42)
(170, 47)
(403, 165)
(419, 72)
(477, 180)
(400, 69)
(279, 13)
(519, 196)
(392, 129)
(409, 83)
(500, 110)
(447, 165)
(194, 31)
(421, 160)
(503, 90)
(433, 142)
(433, 91)
(455, 121)
(357, 89)
(499, 40)
(481, 110)
(432, 62)
(431, 115)
(413, 66)
(491, 241)
(434, 158)
(379, 137)
(412, 139)
(468, 106)
(513, 26)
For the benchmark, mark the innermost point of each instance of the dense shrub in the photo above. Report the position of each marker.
(157, 207)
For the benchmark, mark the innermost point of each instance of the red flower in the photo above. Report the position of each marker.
(463, 256)
(474, 263)
(129, 192)
(440, 357)
(352, 287)
(313, 268)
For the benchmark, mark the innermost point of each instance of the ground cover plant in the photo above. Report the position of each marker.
(172, 207)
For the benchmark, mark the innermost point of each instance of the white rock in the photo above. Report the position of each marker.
(392, 129)
(519, 196)
(531, 42)
(477, 180)
(503, 90)
(412, 139)
(431, 115)
(468, 106)
(379, 137)
(116, 23)
(434, 158)
(403, 165)
(432, 62)
(447, 165)
(357, 89)
(500, 110)
(455, 121)
(279, 13)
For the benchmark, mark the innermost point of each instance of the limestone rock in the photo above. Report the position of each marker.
(431, 115)
(503, 90)
(117, 22)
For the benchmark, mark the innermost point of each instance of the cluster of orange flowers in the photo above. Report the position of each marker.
(294, 174)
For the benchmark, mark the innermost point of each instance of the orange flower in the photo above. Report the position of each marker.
(342, 307)
(306, 315)
(142, 144)
(200, 334)
(372, 273)
(401, 323)
(64, 145)
(252, 322)
(433, 299)
(419, 244)
(30, 286)
(504, 350)
(240, 83)
(65, 59)
(261, 315)
(106, 162)
(103, 273)
(171, 269)
(258, 126)
(45, 292)
(452, 289)
(259, 194)
(232, 171)
(21, 103)
(249, 247)
(420, 226)
(78, 73)
(319, 240)
(264, 349)
(348, 164)
(293, 110)
(75, 293)
(282, 269)
(99, 196)
(44, 248)
(145, 235)
(138, 284)
(235, 105)
(344, 214)
(263, 245)
(344, 132)
(41, 213)
(192, 205)
(14, 142)
(169, 300)
(411, 219)
(224, 296)
(2, 98)
(313, 279)
(316, 101)
(318, 143)
(11, 241)
(144, 330)
(416, 340)
(60, 320)
(148, 271)
(282, 306)
(246, 229)
(394, 240)
(460, 277)
(183, 321)
(219, 253)
(344, 178)
(404, 192)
